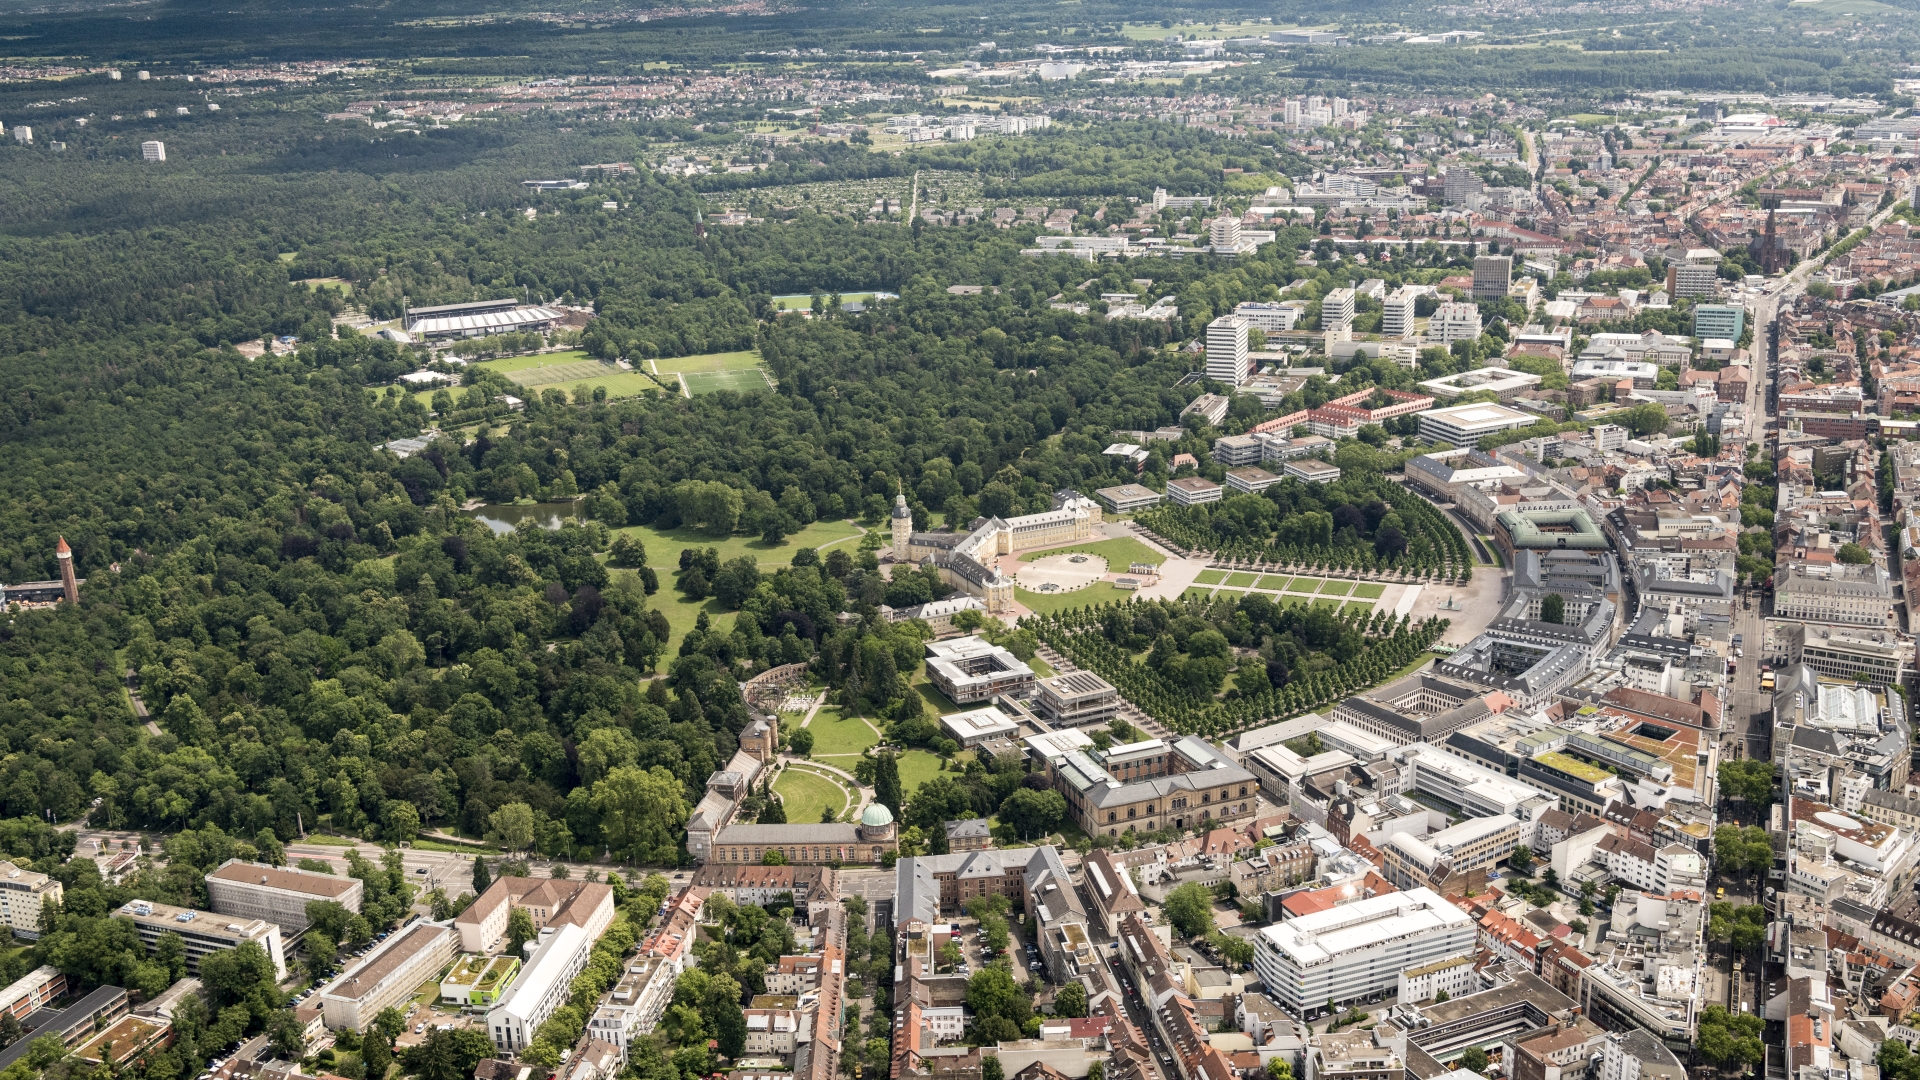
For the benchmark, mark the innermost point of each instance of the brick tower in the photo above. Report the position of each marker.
(69, 584)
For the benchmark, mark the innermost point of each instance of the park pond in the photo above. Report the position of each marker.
(505, 517)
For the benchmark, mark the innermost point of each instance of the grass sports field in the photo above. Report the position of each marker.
(567, 370)
(720, 361)
(740, 382)
(804, 301)
(736, 371)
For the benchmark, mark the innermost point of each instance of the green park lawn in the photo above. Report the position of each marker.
(1120, 553)
(1197, 594)
(1369, 590)
(1335, 587)
(835, 733)
(1210, 577)
(1242, 581)
(806, 793)
(1100, 592)
(1327, 602)
(918, 766)
(665, 545)
(1274, 582)
(682, 613)
(1362, 605)
(1305, 585)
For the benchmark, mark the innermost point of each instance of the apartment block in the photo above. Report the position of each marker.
(23, 894)
(1357, 950)
(550, 902)
(1227, 349)
(278, 894)
(204, 932)
(388, 976)
(542, 987)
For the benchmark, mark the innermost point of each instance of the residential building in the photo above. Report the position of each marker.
(1883, 656)
(278, 894)
(1193, 490)
(636, 1004)
(1397, 312)
(542, 987)
(1271, 318)
(1357, 950)
(1719, 321)
(1854, 595)
(762, 885)
(1502, 382)
(1227, 350)
(549, 901)
(1336, 310)
(23, 895)
(972, 669)
(1685, 280)
(1250, 480)
(1638, 1055)
(973, 834)
(1492, 276)
(1310, 471)
(1110, 886)
(1236, 450)
(1076, 698)
(1465, 425)
(74, 1025)
(978, 726)
(1128, 498)
(33, 991)
(1649, 971)
(389, 975)
(1452, 322)
(1473, 844)
(1210, 407)
(1148, 786)
(153, 150)
(203, 932)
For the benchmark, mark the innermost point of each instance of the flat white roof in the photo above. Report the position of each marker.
(549, 963)
(1323, 936)
(978, 724)
(1478, 414)
(1053, 744)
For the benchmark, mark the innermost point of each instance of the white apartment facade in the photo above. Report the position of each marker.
(1454, 322)
(1227, 349)
(1358, 950)
(541, 988)
(23, 894)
